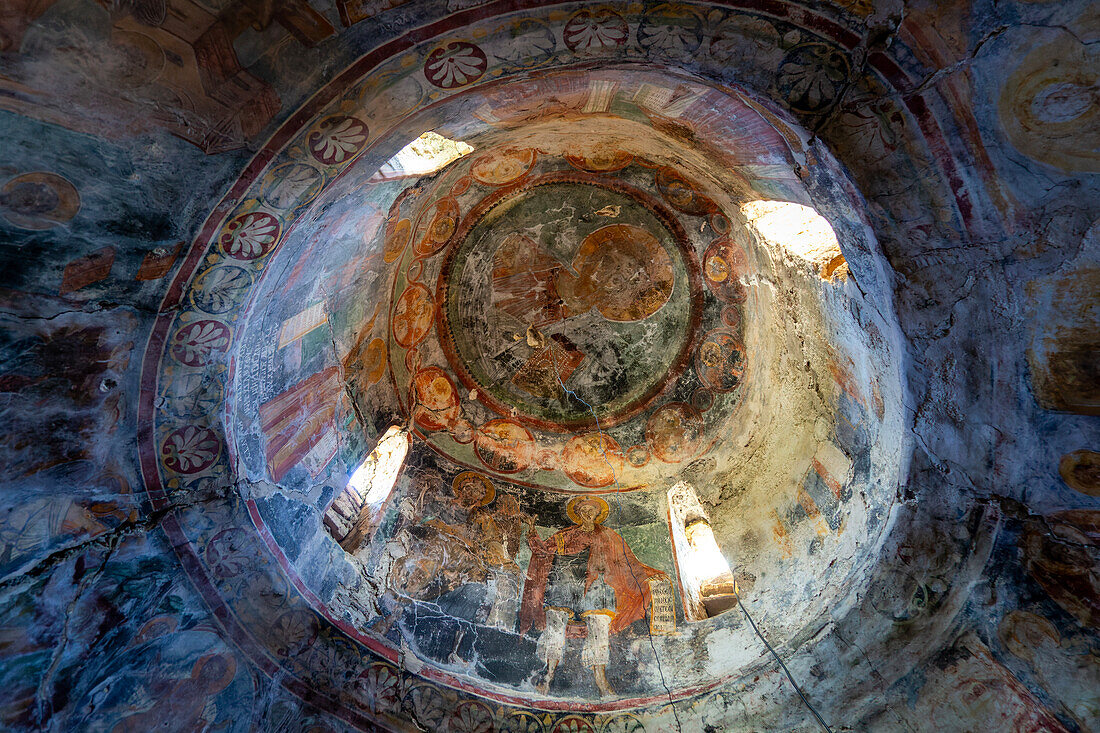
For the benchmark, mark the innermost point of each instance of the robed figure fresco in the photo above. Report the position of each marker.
(462, 559)
(480, 552)
(584, 574)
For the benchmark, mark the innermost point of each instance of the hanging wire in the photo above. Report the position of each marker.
(744, 610)
(794, 684)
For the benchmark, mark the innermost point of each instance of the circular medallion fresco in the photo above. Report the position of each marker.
(544, 298)
(567, 301)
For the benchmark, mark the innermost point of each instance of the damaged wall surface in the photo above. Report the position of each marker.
(532, 366)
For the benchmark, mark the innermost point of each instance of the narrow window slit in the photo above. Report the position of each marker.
(354, 514)
(707, 584)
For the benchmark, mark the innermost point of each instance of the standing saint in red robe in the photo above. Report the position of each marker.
(583, 574)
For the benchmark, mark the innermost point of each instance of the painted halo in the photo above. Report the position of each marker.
(490, 490)
(576, 501)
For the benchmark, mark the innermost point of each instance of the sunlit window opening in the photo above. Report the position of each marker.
(717, 586)
(426, 154)
(706, 581)
(354, 514)
(799, 231)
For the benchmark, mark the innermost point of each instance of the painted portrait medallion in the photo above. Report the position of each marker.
(569, 314)
(720, 360)
(499, 168)
(412, 317)
(674, 432)
(723, 265)
(593, 460)
(504, 446)
(436, 399)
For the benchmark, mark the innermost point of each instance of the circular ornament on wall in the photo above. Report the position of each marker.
(811, 76)
(595, 31)
(455, 64)
(38, 201)
(336, 139)
(413, 315)
(190, 449)
(723, 265)
(674, 432)
(592, 460)
(720, 360)
(683, 194)
(503, 167)
(1050, 107)
(195, 343)
(249, 236)
(397, 238)
(437, 404)
(1081, 471)
(504, 446)
(441, 218)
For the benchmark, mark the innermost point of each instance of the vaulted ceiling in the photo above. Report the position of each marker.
(548, 366)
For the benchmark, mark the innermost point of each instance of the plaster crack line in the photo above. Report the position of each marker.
(1064, 29)
(614, 474)
(867, 659)
(879, 37)
(42, 699)
(123, 530)
(964, 62)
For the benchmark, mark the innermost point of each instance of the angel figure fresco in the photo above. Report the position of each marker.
(463, 558)
(620, 270)
(584, 574)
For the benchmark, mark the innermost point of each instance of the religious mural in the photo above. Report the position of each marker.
(564, 330)
(572, 325)
(469, 572)
(547, 320)
(584, 573)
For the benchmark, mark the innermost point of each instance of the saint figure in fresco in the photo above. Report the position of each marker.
(464, 558)
(584, 574)
(485, 536)
(481, 532)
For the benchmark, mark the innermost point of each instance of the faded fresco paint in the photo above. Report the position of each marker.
(217, 296)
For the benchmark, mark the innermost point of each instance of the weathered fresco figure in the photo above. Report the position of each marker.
(464, 558)
(583, 573)
(183, 701)
(830, 265)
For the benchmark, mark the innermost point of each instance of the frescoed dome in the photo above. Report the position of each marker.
(587, 309)
(532, 366)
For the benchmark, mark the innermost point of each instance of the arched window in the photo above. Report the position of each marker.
(799, 231)
(355, 512)
(427, 154)
(706, 581)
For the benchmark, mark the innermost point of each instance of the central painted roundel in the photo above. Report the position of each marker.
(567, 301)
